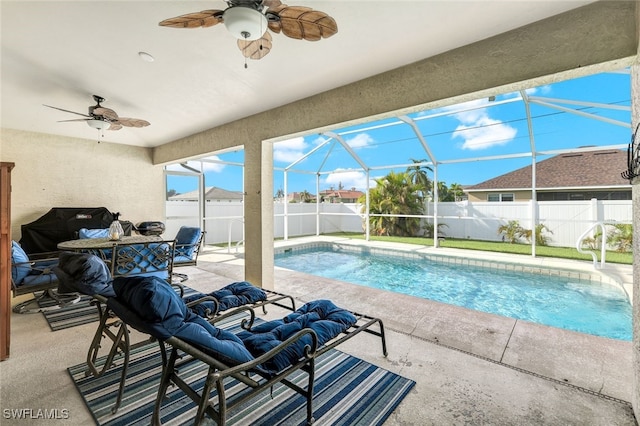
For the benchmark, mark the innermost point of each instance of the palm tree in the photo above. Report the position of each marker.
(456, 190)
(443, 192)
(395, 194)
(305, 196)
(418, 176)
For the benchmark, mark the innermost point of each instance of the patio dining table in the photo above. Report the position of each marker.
(101, 246)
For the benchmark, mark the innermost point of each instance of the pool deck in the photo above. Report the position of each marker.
(470, 368)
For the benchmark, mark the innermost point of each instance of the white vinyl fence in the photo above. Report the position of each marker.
(567, 220)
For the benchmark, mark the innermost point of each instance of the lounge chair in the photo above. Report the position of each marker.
(88, 274)
(214, 306)
(258, 357)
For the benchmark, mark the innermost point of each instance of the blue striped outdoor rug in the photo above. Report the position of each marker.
(79, 313)
(348, 391)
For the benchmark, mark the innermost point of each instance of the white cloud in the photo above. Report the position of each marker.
(544, 90)
(361, 140)
(289, 150)
(484, 132)
(477, 129)
(351, 179)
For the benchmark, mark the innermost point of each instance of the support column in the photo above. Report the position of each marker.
(258, 214)
(635, 191)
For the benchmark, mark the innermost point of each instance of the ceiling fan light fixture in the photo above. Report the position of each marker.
(98, 124)
(245, 23)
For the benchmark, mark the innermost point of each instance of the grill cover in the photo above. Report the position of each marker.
(62, 224)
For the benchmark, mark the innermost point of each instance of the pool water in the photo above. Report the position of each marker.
(583, 306)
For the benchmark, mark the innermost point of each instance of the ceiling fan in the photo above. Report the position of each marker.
(248, 21)
(102, 118)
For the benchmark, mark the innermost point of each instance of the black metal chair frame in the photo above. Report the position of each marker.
(123, 263)
(246, 373)
(48, 289)
(219, 372)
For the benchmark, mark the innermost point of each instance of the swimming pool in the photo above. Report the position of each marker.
(560, 301)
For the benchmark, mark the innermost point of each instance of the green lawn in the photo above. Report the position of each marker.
(524, 249)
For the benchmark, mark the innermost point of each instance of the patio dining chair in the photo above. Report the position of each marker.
(188, 243)
(35, 275)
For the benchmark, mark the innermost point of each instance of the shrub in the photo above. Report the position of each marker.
(512, 232)
(621, 237)
(428, 229)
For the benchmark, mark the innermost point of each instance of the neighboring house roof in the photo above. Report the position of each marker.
(211, 193)
(581, 169)
(296, 196)
(342, 194)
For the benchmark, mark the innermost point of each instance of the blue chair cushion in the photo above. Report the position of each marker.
(18, 255)
(186, 240)
(181, 259)
(38, 279)
(159, 311)
(231, 296)
(84, 273)
(322, 316)
(93, 233)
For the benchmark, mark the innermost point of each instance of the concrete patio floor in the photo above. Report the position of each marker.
(471, 368)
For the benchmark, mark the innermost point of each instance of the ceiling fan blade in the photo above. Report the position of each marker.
(303, 23)
(256, 49)
(206, 18)
(106, 113)
(66, 110)
(75, 119)
(131, 122)
(114, 126)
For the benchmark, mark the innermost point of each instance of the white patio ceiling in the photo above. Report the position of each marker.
(61, 52)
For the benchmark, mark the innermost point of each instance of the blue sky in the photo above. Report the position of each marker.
(481, 128)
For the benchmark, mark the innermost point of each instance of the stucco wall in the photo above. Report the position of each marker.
(54, 171)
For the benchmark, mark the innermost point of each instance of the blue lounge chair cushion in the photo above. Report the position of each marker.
(231, 296)
(322, 316)
(84, 273)
(18, 255)
(162, 313)
(186, 240)
(93, 233)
